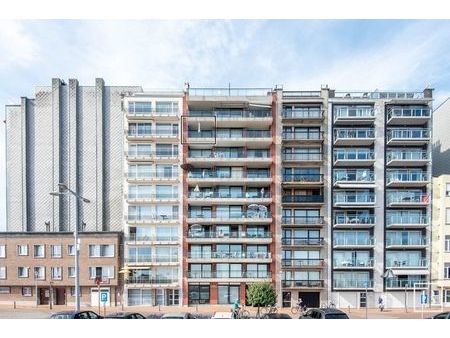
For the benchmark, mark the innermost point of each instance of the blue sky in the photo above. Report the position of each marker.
(301, 54)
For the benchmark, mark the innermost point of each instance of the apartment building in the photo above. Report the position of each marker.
(152, 203)
(38, 268)
(440, 258)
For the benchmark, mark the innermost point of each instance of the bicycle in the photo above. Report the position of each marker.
(269, 309)
(296, 309)
(331, 305)
(241, 313)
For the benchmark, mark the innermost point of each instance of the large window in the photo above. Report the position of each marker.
(139, 107)
(227, 294)
(101, 271)
(198, 294)
(139, 297)
(101, 250)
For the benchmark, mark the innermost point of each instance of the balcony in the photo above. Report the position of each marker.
(303, 114)
(208, 177)
(358, 178)
(152, 198)
(249, 217)
(303, 157)
(353, 264)
(302, 241)
(146, 112)
(408, 136)
(354, 115)
(406, 263)
(143, 239)
(302, 221)
(303, 199)
(154, 281)
(238, 158)
(354, 221)
(233, 118)
(229, 276)
(217, 197)
(145, 219)
(380, 95)
(352, 284)
(302, 263)
(230, 138)
(353, 242)
(302, 284)
(408, 115)
(407, 158)
(407, 199)
(264, 237)
(224, 257)
(150, 176)
(354, 199)
(354, 136)
(139, 156)
(405, 178)
(302, 179)
(156, 136)
(407, 221)
(353, 157)
(151, 260)
(395, 283)
(410, 242)
(308, 137)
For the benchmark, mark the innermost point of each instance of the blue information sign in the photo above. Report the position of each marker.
(104, 296)
(423, 299)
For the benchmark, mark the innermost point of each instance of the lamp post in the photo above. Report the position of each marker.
(64, 190)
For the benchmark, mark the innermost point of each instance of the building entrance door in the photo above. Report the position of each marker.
(44, 296)
(310, 299)
(60, 296)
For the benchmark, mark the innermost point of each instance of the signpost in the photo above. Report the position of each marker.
(104, 299)
(423, 300)
(102, 295)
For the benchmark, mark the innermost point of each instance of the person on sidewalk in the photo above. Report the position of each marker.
(235, 308)
(380, 304)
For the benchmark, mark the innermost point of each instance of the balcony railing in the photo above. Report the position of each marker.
(231, 155)
(152, 196)
(379, 95)
(231, 234)
(306, 283)
(407, 219)
(402, 283)
(408, 134)
(217, 194)
(151, 259)
(303, 135)
(408, 241)
(230, 91)
(150, 218)
(233, 215)
(360, 176)
(217, 174)
(354, 198)
(355, 155)
(353, 113)
(297, 263)
(353, 241)
(354, 133)
(409, 112)
(300, 93)
(162, 154)
(407, 155)
(150, 280)
(303, 113)
(354, 219)
(231, 114)
(149, 175)
(302, 156)
(302, 178)
(406, 176)
(230, 134)
(230, 255)
(407, 197)
(353, 263)
(406, 263)
(302, 199)
(229, 274)
(300, 220)
(302, 241)
(352, 284)
(144, 238)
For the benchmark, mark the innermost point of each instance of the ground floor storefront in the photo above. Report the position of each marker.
(151, 297)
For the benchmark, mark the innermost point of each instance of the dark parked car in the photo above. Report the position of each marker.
(75, 315)
(324, 314)
(183, 315)
(154, 316)
(125, 315)
(276, 316)
(442, 315)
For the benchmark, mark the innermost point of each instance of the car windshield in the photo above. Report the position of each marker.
(336, 316)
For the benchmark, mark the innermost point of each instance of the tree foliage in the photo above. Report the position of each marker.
(261, 294)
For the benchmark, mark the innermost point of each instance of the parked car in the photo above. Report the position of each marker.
(442, 315)
(276, 316)
(75, 315)
(182, 315)
(222, 315)
(155, 316)
(125, 315)
(325, 313)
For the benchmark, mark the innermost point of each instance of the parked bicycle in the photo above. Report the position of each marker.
(269, 309)
(298, 308)
(330, 305)
(241, 313)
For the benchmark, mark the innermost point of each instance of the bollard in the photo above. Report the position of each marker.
(14, 304)
(121, 306)
(159, 307)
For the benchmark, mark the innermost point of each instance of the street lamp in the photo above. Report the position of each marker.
(64, 190)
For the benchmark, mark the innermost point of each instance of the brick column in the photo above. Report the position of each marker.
(242, 298)
(213, 296)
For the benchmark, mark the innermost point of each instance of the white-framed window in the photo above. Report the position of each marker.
(71, 272)
(56, 272)
(447, 243)
(101, 250)
(23, 271)
(447, 271)
(2, 272)
(4, 290)
(2, 251)
(27, 291)
(56, 251)
(39, 272)
(71, 250)
(22, 250)
(447, 216)
(101, 271)
(447, 189)
(39, 251)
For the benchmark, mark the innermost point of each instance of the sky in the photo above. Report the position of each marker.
(299, 55)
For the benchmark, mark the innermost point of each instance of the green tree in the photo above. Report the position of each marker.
(261, 295)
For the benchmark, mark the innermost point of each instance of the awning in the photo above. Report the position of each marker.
(410, 272)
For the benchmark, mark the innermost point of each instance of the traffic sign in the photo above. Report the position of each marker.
(104, 296)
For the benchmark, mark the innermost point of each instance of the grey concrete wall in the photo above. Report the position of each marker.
(441, 139)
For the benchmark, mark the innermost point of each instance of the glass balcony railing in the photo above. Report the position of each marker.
(353, 113)
(302, 178)
(151, 154)
(408, 134)
(253, 274)
(152, 196)
(407, 219)
(149, 175)
(217, 194)
(406, 241)
(302, 241)
(238, 154)
(230, 134)
(302, 199)
(354, 198)
(354, 219)
(151, 238)
(151, 280)
(231, 114)
(302, 283)
(303, 135)
(409, 112)
(231, 234)
(298, 263)
(407, 155)
(353, 155)
(406, 283)
(300, 220)
(217, 174)
(231, 215)
(303, 113)
(406, 176)
(353, 263)
(360, 176)
(150, 218)
(352, 284)
(302, 156)
(406, 197)
(353, 241)
(229, 255)
(354, 133)
(406, 262)
(151, 259)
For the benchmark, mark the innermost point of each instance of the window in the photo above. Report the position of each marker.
(27, 291)
(447, 271)
(22, 250)
(198, 294)
(22, 272)
(447, 243)
(71, 272)
(2, 272)
(2, 251)
(56, 251)
(39, 272)
(101, 250)
(447, 216)
(39, 251)
(447, 189)
(5, 290)
(71, 250)
(101, 271)
(227, 294)
(72, 291)
(56, 272)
